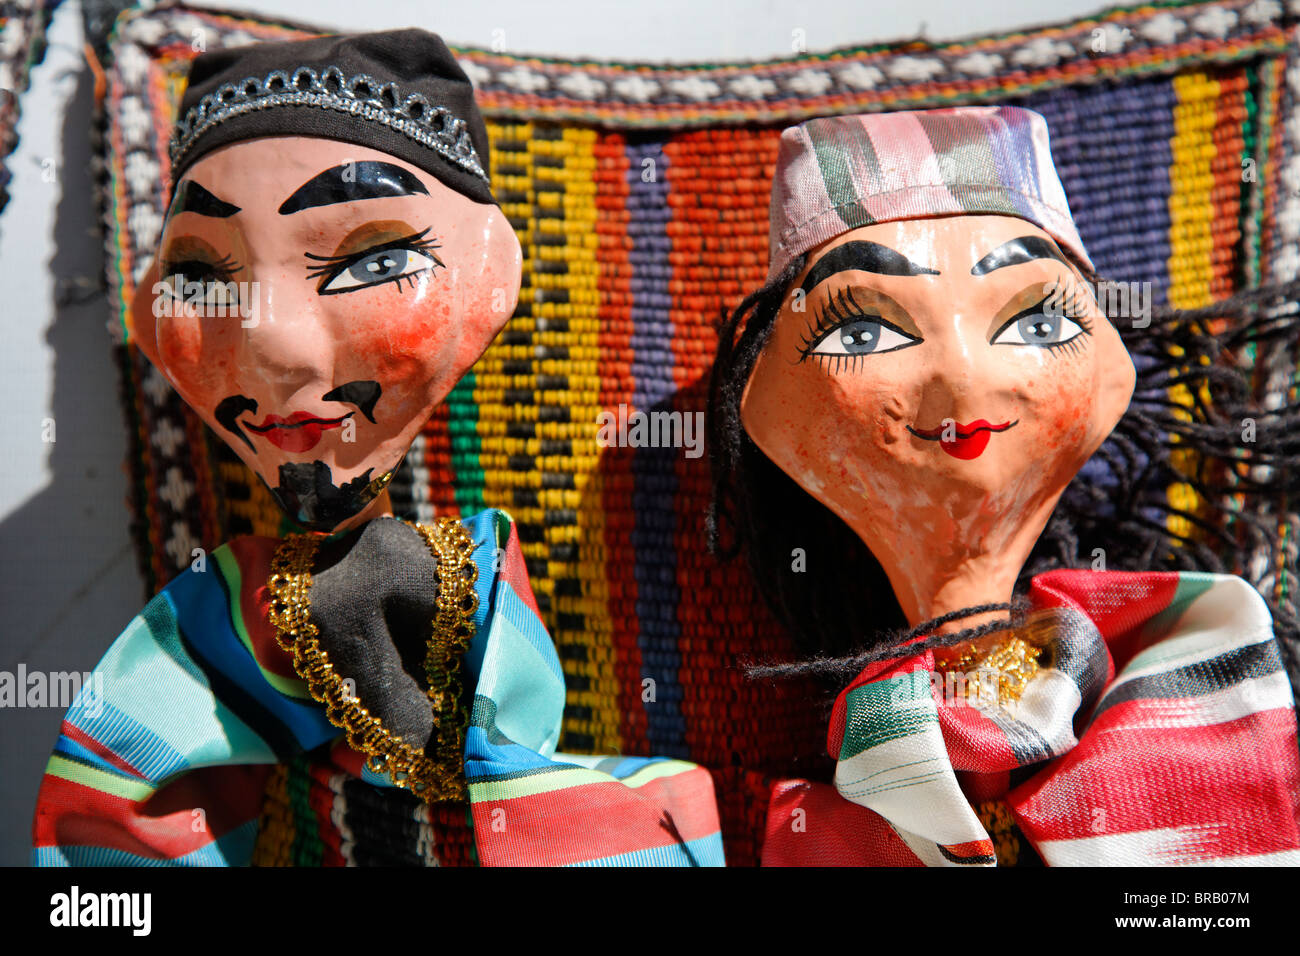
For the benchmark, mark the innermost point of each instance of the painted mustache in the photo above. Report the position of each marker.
(299, 431)
(970, 440)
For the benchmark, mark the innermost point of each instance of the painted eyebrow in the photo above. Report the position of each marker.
(350, 182)
(863, 256)
(192, 197)
(1016, 251)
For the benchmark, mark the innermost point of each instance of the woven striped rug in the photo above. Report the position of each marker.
(640, 197)
(22, 46)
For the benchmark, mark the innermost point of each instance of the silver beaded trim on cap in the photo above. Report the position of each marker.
(361, 95)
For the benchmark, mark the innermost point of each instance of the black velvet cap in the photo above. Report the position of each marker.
(400, 92)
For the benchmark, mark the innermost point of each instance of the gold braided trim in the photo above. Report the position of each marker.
(453, 630)
(387, 753)
(1015, 659)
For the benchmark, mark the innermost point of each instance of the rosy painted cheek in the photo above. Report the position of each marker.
(202, 363)
(416, 331)
(861, 406)
(179, 343)
(1064, 413)
(852, 425)
(397, 325)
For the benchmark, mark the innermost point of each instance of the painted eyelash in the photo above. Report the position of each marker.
(835, 363)
(1074, 307)
(1069, 309)
(1074, 346)
(226, 267)
(834, 315)
(333, 265)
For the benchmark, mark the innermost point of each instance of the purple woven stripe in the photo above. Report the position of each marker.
(1113, 154)
(654, 470)
(1112, 147)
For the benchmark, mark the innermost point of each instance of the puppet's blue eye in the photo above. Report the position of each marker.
(862, 337)
(1043, 327)
(391, 261)
(382, 265)
(378, 267)
(201, 284)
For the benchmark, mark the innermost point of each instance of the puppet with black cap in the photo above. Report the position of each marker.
(332, 262)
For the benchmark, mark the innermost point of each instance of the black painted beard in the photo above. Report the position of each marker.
(308, 494)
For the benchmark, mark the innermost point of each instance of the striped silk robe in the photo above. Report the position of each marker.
(195, 702)
(1161, 732)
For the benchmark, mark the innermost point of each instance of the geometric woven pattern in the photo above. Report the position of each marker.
(640, 197)
(22, 46)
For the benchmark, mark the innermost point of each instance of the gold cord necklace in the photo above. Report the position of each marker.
(433, 781)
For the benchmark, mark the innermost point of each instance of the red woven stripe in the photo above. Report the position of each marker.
(614, 282)
(321, 798)
(973, 739)
(253, 555)
(1118, 602)
(437, 459)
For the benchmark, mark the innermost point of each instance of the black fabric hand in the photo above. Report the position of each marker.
(373, 598)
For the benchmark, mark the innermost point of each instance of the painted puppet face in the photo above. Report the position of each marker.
(331, 296)
(937, 383)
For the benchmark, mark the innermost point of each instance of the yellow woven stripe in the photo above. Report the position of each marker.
(1191, 240)
(530, 786)
(599, 696)
(259, 509)
(490, 378)
(275, 831)
(1191, 211)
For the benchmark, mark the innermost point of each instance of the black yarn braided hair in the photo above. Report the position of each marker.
(840, 607)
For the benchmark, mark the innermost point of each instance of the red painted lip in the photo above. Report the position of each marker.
(971, 439)
(301, 431)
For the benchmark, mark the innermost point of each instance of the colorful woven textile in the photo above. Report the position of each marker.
(1187, 754)
(165, 753)
(640, 195)
(22, 45)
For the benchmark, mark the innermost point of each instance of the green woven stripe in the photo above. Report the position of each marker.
(833, 142)
(306, 829)
(1251, 206)
(885, 697)
(466, 447)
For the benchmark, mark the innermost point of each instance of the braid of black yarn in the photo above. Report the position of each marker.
(893, 643)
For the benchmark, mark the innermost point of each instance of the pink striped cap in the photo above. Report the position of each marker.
(838, 173)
